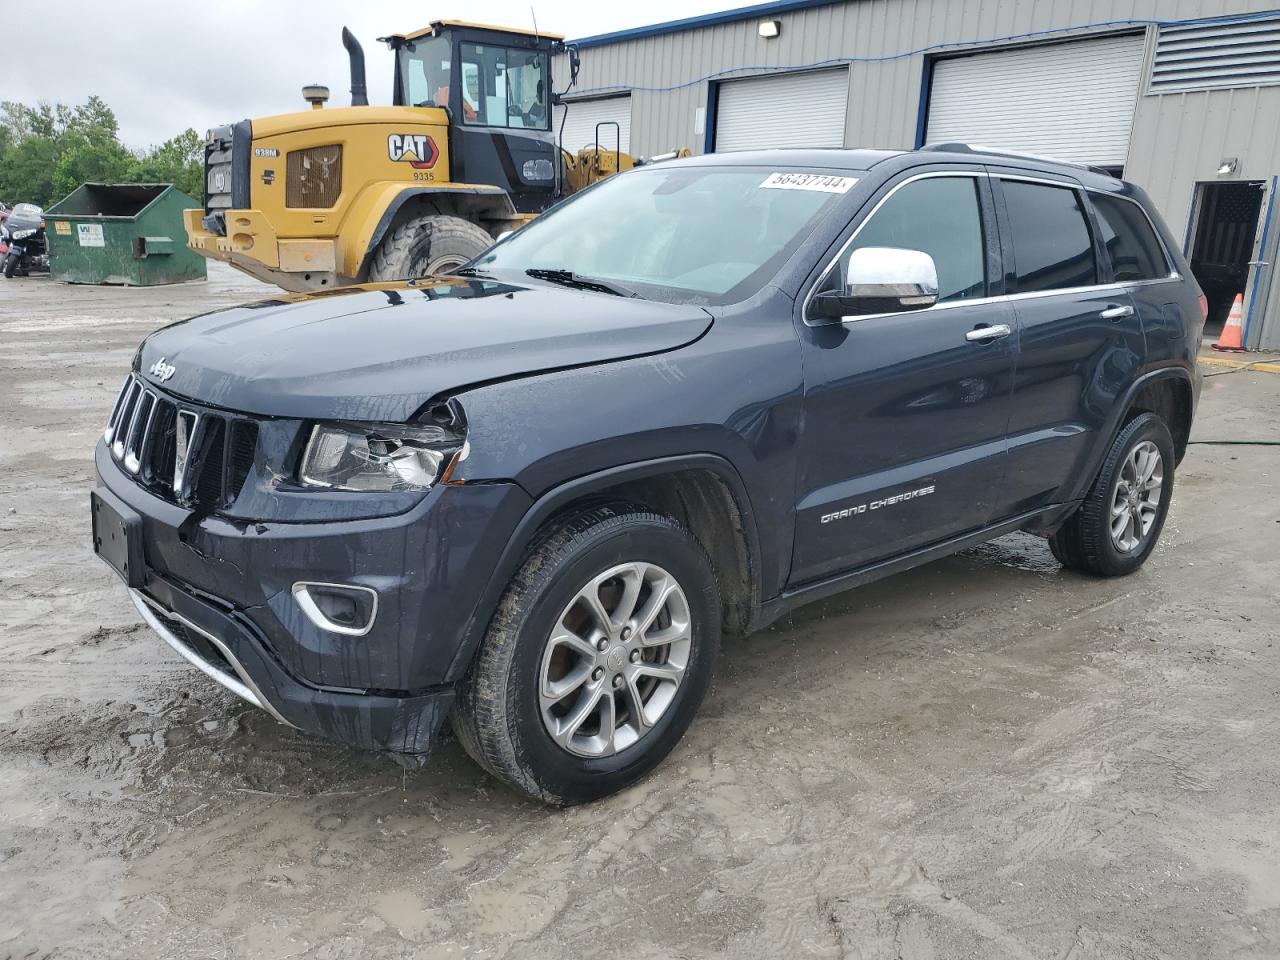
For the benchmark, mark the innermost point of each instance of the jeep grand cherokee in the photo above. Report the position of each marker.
(529, 498)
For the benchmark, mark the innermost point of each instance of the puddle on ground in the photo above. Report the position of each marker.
(1019, 551)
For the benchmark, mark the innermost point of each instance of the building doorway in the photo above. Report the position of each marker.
(1224, 243)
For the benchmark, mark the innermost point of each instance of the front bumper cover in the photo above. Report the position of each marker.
(219, 592)
(226, 649)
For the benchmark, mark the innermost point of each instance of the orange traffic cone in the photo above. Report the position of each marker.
(1233, 332)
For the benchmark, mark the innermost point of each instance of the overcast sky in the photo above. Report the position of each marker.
(165, 65)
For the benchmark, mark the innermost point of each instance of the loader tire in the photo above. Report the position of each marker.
(428, 246)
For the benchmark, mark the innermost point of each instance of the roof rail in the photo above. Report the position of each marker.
(1020, 154)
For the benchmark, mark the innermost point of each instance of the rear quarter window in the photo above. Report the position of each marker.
(1132, 246)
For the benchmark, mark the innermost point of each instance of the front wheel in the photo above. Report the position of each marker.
(11, 261)
(428, 246)
(1118, 524)
(597, 658)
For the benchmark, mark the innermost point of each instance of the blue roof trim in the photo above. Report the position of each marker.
(706, 20)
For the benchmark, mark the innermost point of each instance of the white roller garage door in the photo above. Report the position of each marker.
(783, 110)
(1072, 100)
(580, 128)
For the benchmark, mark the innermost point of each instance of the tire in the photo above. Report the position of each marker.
(501, 716)
(10, 265)
(428, 246)
(1087, 542)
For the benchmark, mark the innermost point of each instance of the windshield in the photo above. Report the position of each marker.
(424, 72)
(681, 234)
(24, 216)
(503, 87)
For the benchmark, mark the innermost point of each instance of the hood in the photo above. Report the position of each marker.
(336, 118)
(379, 352)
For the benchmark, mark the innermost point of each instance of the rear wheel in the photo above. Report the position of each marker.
(428, 246)
(1118, 524)
(597, 659)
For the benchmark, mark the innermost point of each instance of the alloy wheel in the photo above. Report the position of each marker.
(615, 659)
(1135, 502)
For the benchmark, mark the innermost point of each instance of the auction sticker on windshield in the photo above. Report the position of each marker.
(823, 183)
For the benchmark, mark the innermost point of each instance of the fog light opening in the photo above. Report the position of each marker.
(338, 608)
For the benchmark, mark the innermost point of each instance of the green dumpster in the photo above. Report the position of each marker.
(128, 233)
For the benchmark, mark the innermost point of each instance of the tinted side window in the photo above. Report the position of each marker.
(1052, 248)
(1135, 252)
(939, 216)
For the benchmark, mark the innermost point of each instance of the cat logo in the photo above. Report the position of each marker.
(416, 149)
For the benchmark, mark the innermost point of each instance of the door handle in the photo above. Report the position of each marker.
(983, 334)
(1116, 312)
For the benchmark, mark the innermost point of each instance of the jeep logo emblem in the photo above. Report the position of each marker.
(162, 371)
(416, 149)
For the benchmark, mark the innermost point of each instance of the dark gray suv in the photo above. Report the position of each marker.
(531, 496)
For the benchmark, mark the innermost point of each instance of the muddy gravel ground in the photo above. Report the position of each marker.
(985, 757)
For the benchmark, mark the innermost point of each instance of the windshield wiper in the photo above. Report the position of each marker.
(469, 272)
(570, 279)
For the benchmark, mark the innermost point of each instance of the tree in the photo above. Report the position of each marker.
(94, 122)
(83, 161)
(179, 161)
(53, 148)
(48, 150)
(42, 120)
(27, 171)
(89, 148)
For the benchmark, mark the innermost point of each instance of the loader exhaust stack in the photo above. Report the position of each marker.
(359, 92)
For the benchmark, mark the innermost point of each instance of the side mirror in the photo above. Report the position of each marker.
(881, 280)
(575, 63)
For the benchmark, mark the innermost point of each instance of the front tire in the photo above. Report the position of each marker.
(1119, 522)
(11, 264)
(428, 246)
(597, 658)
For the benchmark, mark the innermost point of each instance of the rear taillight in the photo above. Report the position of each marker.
(1204, 309)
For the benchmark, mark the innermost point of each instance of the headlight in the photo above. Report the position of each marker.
(352, 456)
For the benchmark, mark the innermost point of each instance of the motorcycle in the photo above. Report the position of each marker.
(23, 231)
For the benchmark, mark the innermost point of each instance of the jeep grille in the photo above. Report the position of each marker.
(186, 454)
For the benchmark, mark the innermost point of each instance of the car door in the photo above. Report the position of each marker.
(1138, 259)
(1081, 338)
(903, 439)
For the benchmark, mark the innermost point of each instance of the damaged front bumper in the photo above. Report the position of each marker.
(223, 647)
(222, 593)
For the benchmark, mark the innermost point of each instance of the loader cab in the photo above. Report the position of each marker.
(495, 85)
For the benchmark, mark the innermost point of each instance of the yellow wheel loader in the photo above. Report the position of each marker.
(323, 198)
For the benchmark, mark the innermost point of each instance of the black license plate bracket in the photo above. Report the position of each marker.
(117, 537)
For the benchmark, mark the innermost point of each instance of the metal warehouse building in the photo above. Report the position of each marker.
(1181, 96)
